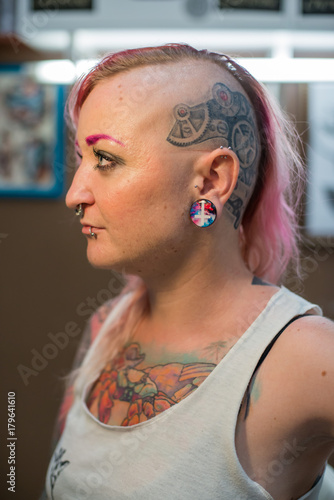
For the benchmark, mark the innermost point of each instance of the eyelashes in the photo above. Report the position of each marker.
(78, 159)
(101, 157)
(105, 161)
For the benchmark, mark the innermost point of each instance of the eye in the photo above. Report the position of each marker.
(105, 161)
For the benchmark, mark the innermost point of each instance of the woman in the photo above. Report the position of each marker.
(204, 379)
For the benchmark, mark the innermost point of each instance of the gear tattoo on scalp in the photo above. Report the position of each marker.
(230, 117)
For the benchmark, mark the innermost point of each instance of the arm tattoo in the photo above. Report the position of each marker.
(230, 117)
(253, 393)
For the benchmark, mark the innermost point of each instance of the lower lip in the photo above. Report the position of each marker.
(86, 230)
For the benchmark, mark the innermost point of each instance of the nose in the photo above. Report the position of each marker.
(80, 190)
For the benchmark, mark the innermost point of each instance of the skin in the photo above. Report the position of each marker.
(155, 188)
(139, 211)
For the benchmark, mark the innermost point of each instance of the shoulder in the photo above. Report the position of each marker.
(309, 341)
(291, 403)
(99, 316)
(302, 358)
(112, 310)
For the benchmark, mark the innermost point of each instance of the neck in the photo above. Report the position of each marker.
(197, 297)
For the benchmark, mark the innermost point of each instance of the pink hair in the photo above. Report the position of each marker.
(269, 230)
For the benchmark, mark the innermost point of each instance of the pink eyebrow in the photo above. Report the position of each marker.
(92, 139)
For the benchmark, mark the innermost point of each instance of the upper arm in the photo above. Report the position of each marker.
(311, 345)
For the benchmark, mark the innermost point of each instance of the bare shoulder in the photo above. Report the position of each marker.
(309, 341)
(303, 357)
(100, 315)
(291, 406)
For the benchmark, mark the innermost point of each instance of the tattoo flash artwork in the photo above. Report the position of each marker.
(148, 391)
(230, 117)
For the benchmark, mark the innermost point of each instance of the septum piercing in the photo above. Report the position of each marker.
(79, 210)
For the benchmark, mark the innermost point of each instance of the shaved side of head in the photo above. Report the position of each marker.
(221, 103)
(215, 111)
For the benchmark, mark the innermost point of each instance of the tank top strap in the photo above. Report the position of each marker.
(238, 366)
(283, 307)
(188, 450)
(263, 357)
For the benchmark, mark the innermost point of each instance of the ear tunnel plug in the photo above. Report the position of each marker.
(203, 213)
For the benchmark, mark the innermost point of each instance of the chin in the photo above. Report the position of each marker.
(103, 264)
(112, 261)
(99, 261)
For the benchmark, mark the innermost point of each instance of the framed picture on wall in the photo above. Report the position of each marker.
(31, 135)
(320, 193)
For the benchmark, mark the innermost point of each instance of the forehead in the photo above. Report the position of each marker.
(126, 101)
(144, 99)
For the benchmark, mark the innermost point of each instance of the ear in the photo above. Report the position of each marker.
(216, 176)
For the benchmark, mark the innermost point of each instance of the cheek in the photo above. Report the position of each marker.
(152, 217)
(152, 201)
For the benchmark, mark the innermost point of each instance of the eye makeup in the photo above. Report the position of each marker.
(93, 139)
(113, 160)
(101, 155)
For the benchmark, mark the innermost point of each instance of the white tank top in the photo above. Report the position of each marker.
(186, 452)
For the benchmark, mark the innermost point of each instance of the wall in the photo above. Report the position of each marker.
(172, 14)
(44, 278)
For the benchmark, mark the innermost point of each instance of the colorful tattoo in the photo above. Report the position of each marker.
(148, 391)
(252, 394)
(230, 117)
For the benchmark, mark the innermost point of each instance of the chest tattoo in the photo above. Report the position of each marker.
(148, 391)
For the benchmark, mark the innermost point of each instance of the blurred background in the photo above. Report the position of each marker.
(48, 290)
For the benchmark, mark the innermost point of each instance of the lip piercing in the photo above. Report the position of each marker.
(79, 210)
(91, 234)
